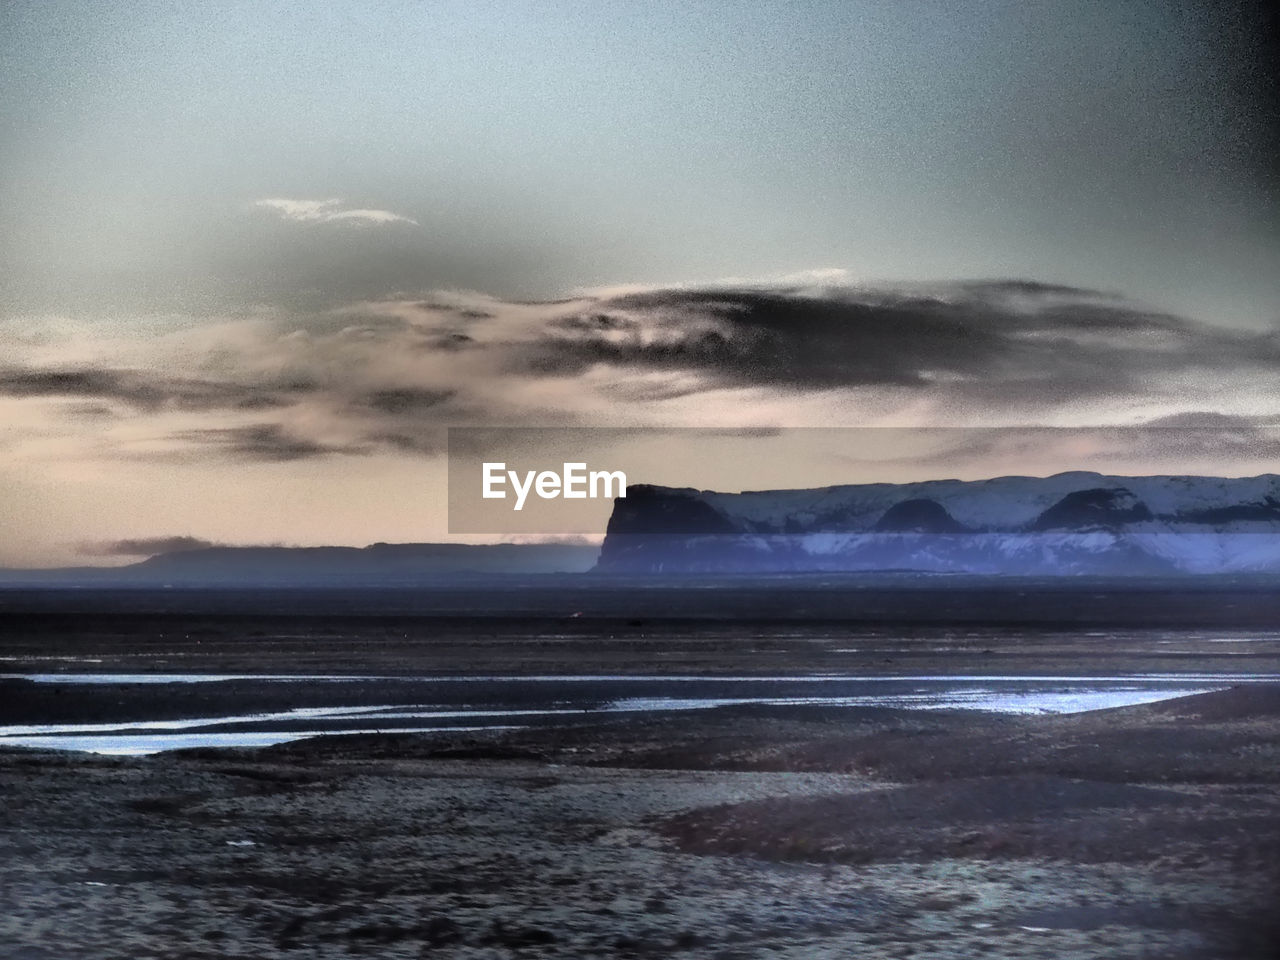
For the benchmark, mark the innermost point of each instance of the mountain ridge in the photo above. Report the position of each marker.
(1068, 523)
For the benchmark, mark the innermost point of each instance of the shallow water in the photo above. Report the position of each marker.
(135, 745)
(130, 678)
(508, 701)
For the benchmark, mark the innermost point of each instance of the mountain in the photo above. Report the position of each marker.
(1066, 524)
(375, 565)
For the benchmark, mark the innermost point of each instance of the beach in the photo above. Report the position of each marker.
(738, 830)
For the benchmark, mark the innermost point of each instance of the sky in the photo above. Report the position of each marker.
(257, 256)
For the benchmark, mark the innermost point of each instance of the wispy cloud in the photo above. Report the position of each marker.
(384, 378)
(269, 442)
(328, 211)
(146, 390)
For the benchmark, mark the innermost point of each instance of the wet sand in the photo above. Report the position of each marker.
(735, 832)
(1145, 831)
(317, 643)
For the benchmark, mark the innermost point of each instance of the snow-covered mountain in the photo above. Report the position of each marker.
(1070, 523)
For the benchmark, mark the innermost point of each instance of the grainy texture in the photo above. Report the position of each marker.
(738, 832)
(768, 841)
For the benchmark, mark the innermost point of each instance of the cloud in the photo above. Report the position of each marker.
(268, 442)
(983, 341)
(406, 400)
(1204, 436)
(146, 546)
(328, 211)
(817, 278)
(386, 377)
(145, 390)
(1184, 443)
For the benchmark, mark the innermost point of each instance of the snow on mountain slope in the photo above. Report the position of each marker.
(1075, 522)
(1000, 503)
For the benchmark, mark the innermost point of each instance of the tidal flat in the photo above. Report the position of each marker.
(739, 830)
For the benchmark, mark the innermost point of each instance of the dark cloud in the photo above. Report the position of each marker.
(989, 339)
(146, 391)
(90, 411)
(980, 343)
(405, 400)
(1202, 435)
(597, 322)
(1016, 285)
(768, 338)
(450, 341)
(428, 444)
(1176, 440)
(390, 377)
(146, 547)
(268, 442)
